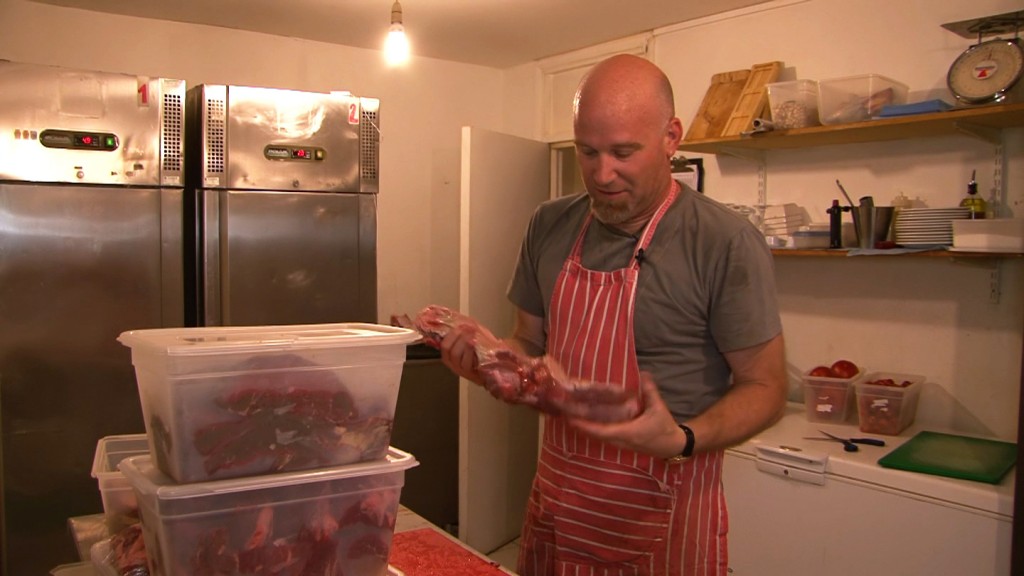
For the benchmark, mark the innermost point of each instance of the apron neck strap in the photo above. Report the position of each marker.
(648, 232)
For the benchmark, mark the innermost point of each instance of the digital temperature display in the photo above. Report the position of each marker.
(76, 140)
(280, 152)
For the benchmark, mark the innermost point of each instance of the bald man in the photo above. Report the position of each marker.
(655, 287)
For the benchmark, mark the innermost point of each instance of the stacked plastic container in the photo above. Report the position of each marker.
(119, 505)
(268, 448)
(804, 103)
(793, 104)
(857, 98)
(887, 401)
(828, 399)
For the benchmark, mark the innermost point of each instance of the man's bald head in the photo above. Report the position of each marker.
(626, 84)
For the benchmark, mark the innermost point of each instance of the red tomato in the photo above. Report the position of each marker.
(822, 371)
(844, 369)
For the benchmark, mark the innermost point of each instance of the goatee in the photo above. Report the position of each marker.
(609, 213)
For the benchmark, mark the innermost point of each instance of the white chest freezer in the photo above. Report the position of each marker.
(799, 506)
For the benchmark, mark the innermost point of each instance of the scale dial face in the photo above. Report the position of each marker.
(985, 72)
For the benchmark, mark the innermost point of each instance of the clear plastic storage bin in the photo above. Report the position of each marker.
(306, 521)
(857, 98)
(885, 409)
(243, 401)
(810, 238)
(989, 235)
(119, 506)
(793, 104)
(828, 399)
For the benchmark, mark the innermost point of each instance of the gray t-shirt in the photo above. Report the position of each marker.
(706, 286)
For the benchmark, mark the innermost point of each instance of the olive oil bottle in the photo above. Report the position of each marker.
(973, 201)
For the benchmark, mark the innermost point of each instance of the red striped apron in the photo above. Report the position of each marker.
(597, 510)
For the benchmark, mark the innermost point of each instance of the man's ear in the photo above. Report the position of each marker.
(673, 135)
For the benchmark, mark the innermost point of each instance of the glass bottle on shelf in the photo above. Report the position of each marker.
(973, 201)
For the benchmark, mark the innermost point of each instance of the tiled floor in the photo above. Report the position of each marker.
(507, 555)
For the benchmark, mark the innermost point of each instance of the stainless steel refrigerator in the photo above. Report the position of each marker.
(91, 191)
(282, 206)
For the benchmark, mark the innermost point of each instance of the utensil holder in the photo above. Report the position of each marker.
(872, 224)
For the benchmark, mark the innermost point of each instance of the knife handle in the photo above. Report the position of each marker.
(870, 441)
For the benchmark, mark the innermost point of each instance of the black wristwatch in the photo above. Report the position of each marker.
(688, 448)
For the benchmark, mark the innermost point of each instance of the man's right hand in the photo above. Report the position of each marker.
(459, 348)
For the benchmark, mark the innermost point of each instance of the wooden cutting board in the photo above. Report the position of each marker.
(718, 104)
(752, 99)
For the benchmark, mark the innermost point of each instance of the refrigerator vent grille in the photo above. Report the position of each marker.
(215, 135)
(369, 136)
(174, 118)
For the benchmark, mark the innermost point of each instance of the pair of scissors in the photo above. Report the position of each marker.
(849, 444)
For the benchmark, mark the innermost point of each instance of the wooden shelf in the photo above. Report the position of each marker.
(981, 121)
(985, 122)
(824, 253)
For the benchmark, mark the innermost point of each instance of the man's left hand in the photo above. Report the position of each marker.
(654, 431)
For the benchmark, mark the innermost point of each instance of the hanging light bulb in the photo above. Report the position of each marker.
(396, 46)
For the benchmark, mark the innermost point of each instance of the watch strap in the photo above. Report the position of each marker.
(688, 448)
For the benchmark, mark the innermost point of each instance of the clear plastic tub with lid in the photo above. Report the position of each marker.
(309, 520)
(244, 401)
(793, 104)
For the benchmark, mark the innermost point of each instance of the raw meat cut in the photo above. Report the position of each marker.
(128, 552)
(427, 552)
(534, 381)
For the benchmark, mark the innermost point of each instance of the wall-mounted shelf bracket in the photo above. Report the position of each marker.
(986, 133)
(758, 156)
(995, 283)
(995, 277)
(977, 28)
(751, 154)
(762, 184)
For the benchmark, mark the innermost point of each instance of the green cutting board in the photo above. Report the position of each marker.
(954, 456)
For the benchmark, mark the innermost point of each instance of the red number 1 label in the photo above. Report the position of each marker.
(143, 92)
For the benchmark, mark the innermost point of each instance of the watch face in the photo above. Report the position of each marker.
(985, 72)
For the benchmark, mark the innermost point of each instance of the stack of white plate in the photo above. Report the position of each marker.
(926, 226)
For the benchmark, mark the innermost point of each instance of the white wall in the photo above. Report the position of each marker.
(423, 107)
(930, 317)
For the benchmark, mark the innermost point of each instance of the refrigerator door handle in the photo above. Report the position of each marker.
(211, 258)
(172, 261)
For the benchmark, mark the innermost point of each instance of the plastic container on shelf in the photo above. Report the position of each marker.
(811, 236)
(793, 104)
(989, 235)
(857, 98)
(828, 399)
(244, 401)
(119, 505)
(887, 401)
(236, 526)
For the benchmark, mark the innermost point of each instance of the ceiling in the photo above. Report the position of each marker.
(494, 33)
